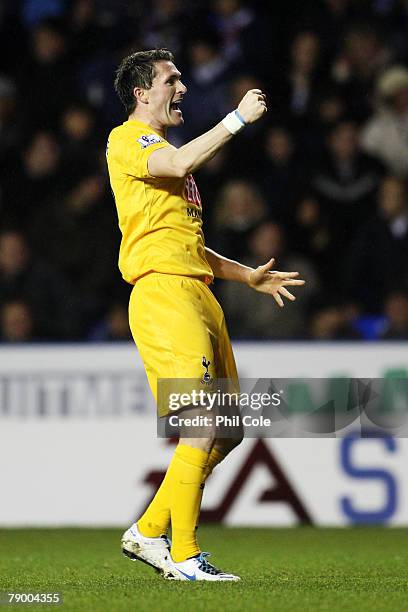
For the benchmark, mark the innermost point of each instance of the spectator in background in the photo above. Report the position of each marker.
(232, 18)
(35, 11)
(239, 86)
(330, 19)
(57, 104)
(13, 44)
(249, 35)
(78, 234)
(165, 24)
(206, 79)
(333, 321)
(240, 207)
(293, 94)
(378, 257)
(386, 134)
(45, 78)
(363, 56)
(10, 132)
(78, 138)
(16, 322)
(252, 316)
(245, 154)
(396, 310)
(34, 178)
(50, 298)
(99, 32)
(210, 180)
(94, 84)
(330, 108)
(280, 176)
(86, 36)
(208, 66)
(114, 326)
(346, 181)
(394, 16)
(310, 237)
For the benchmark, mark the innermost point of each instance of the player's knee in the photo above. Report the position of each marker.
(236, 441)
(204, 444)
(226, 445)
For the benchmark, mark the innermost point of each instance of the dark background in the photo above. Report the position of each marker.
(320, 183)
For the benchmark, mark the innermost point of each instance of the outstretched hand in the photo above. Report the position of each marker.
(266, 280)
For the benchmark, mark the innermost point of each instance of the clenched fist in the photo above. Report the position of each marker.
(252, 105)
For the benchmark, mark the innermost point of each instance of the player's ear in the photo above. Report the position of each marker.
(141, 95)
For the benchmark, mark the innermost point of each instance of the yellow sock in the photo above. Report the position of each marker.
(214, 459)
(156, 519)
(186, 472)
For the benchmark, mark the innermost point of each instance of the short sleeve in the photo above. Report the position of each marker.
(133, 153)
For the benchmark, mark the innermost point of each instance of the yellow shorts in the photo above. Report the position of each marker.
(180, 331)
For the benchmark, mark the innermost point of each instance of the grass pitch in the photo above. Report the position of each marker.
(291, 570)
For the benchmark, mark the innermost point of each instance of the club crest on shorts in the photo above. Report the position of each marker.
(206, 379)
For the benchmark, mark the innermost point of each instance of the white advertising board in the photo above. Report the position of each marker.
(78, 443)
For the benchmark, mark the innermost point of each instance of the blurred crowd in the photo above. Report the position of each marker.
(320, 184)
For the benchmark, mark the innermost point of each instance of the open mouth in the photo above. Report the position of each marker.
(176, 106)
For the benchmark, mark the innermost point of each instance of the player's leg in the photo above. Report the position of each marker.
(179, 496)
(187, 560)
(190, 464)
(179, 499)
(168, 328)
(180, 493)
(227, 370)
(198, 567)
(221, 448)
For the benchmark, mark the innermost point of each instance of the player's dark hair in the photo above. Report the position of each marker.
(138, 70)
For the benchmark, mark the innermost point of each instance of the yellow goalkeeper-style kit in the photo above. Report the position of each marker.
(176, 322)
(160, 218)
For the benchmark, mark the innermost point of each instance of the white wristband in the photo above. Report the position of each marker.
(234, 122)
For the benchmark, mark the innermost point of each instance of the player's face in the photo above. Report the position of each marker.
(165, 95)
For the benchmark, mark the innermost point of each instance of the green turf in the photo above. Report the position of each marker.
(300, 569)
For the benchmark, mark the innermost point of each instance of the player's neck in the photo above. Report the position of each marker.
(138, 116)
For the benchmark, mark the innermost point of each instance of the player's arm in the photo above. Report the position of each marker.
(170, 161)
(262, 279)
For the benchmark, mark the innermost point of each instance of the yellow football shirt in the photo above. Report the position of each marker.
(160, 218)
